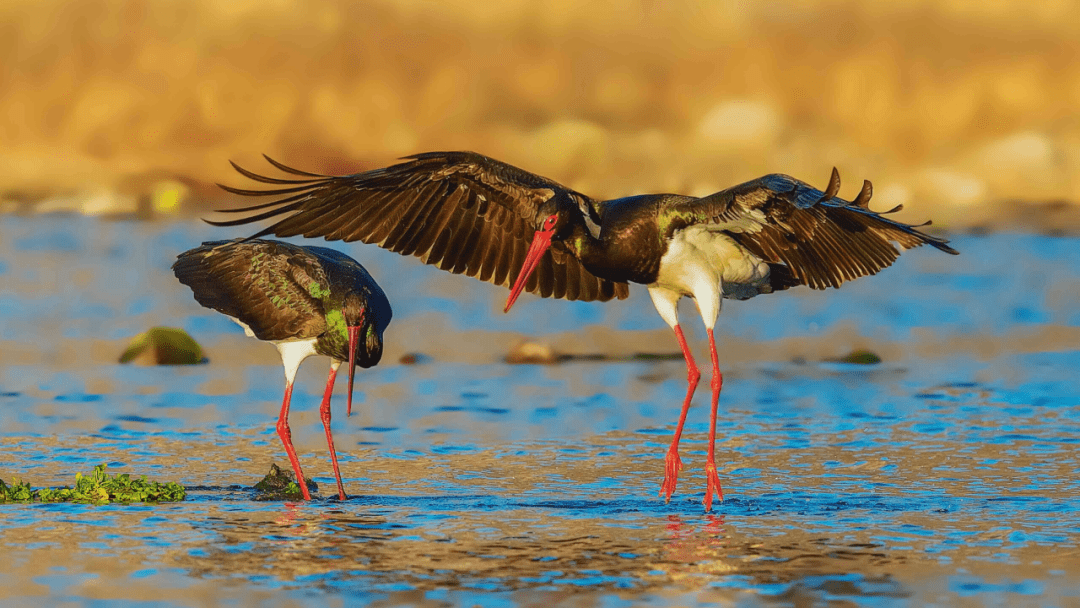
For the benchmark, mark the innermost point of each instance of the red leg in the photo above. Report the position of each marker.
(672, 462)
(324, 411)
(285, 433)
(711, 478)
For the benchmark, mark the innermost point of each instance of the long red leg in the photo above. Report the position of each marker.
(711, 478)
(285, 433)
(324, 411)
(672, 462)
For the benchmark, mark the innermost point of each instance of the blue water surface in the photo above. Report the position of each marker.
(944, 475)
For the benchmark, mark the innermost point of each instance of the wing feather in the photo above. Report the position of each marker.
(503, 259)
(443, 228)
(472, 228)
(410, 231)
(466, 229)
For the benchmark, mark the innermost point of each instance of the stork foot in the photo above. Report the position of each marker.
(712, 485)
(672, 466)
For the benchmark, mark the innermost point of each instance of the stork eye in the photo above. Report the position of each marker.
(549, 223)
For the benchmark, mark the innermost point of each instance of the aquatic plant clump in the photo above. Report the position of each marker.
(280, 484)
(163, 346)
(97, 487)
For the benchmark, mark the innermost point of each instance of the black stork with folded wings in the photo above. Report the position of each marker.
(467, 213)
(305, 301)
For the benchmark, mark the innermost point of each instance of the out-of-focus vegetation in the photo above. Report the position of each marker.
(163, 346)
(860, 357)
(940, 102)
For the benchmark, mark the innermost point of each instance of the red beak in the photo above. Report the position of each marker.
(354, 336)
(540, 244)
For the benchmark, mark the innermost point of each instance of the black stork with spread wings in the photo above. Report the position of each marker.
(467, 213)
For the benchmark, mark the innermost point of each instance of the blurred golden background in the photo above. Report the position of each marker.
(954, 108)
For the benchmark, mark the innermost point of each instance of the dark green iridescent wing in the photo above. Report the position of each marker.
(273, 288)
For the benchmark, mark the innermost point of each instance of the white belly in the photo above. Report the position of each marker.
(293, 352)
(697, 257)
(705, 266)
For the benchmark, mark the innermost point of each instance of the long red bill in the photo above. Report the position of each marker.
(354, 336)
(540, 244)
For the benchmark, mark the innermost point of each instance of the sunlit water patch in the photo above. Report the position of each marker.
(879, 490)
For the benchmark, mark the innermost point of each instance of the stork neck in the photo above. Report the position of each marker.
(627, 248)
(583, 245)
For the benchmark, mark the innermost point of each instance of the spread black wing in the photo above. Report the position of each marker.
(809, 237)
(264, 284)
(460, 211)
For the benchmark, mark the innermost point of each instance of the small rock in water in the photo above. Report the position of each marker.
(280, 484)
(527, 352)
(413, 359)
(163, 346)
(860, 357)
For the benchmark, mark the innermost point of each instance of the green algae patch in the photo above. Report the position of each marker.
(656, 357)
(163, 346)
(98, 488)
(280, 484)
(860, 357)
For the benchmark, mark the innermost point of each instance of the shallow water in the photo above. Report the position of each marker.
(945, 475)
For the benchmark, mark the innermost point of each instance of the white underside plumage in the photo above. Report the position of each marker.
(705, 265)
(293, 352)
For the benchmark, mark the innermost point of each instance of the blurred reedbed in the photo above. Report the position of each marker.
(948, 104)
